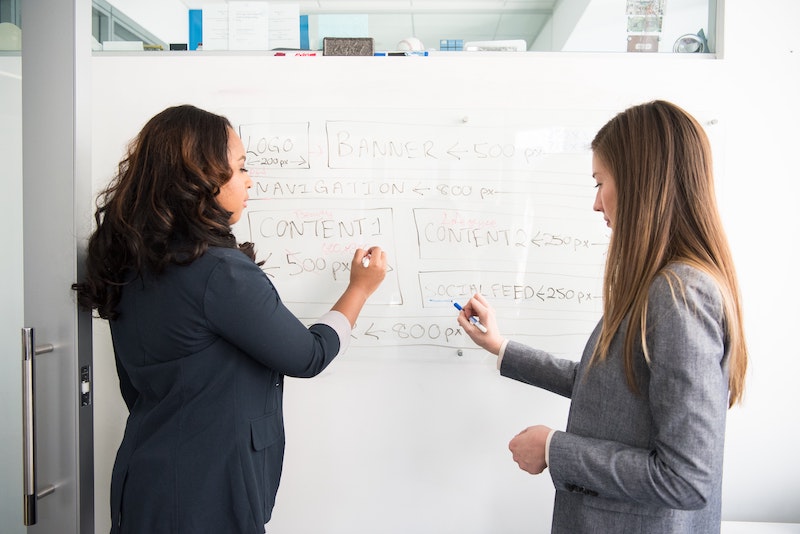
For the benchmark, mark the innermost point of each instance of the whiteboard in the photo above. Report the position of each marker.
(472, 172)
(479, 203)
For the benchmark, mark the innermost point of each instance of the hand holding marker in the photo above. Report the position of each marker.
(474, 319)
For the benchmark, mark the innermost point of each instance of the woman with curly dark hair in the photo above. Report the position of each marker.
(201, 338)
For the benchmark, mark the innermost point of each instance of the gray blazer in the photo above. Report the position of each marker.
(652, 462)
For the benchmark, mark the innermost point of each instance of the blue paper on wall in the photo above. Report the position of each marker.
(195, 28)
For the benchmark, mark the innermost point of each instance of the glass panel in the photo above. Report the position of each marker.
(100, 25)
(10, 25)
(10, 11)
(121, 33)
(631, 26)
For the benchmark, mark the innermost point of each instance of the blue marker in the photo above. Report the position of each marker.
(474, 319)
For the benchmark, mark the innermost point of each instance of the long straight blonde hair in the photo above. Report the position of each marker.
(660, 159)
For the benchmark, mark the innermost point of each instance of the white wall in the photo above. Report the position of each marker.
(759, 189)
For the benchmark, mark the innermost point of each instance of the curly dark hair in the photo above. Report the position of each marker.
(161, 206)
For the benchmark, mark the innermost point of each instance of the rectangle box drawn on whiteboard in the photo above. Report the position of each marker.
(348, 46)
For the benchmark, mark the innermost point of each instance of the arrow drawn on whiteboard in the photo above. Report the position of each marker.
(266, 269)
(302, 162)
(418, 190)
(452, 151)
(369, 331)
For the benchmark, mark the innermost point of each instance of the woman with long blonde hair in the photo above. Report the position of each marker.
(643, 446)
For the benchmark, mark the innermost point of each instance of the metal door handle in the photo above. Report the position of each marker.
(30, 495)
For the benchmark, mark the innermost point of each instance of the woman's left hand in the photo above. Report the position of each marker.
(528, 449)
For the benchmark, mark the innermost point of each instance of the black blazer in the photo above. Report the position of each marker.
(201, 351)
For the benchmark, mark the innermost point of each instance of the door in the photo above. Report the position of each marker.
(11, 296)
(57, 477)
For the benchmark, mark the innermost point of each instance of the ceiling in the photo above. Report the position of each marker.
(391, 21)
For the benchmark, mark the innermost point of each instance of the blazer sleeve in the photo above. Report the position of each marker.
(243, 307)
(688, 398)
(538, 368)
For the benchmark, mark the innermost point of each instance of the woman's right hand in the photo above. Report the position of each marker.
(479, 307)
(368, 269)
(364, 280)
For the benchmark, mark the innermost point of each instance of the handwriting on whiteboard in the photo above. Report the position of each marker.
(460, 209)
